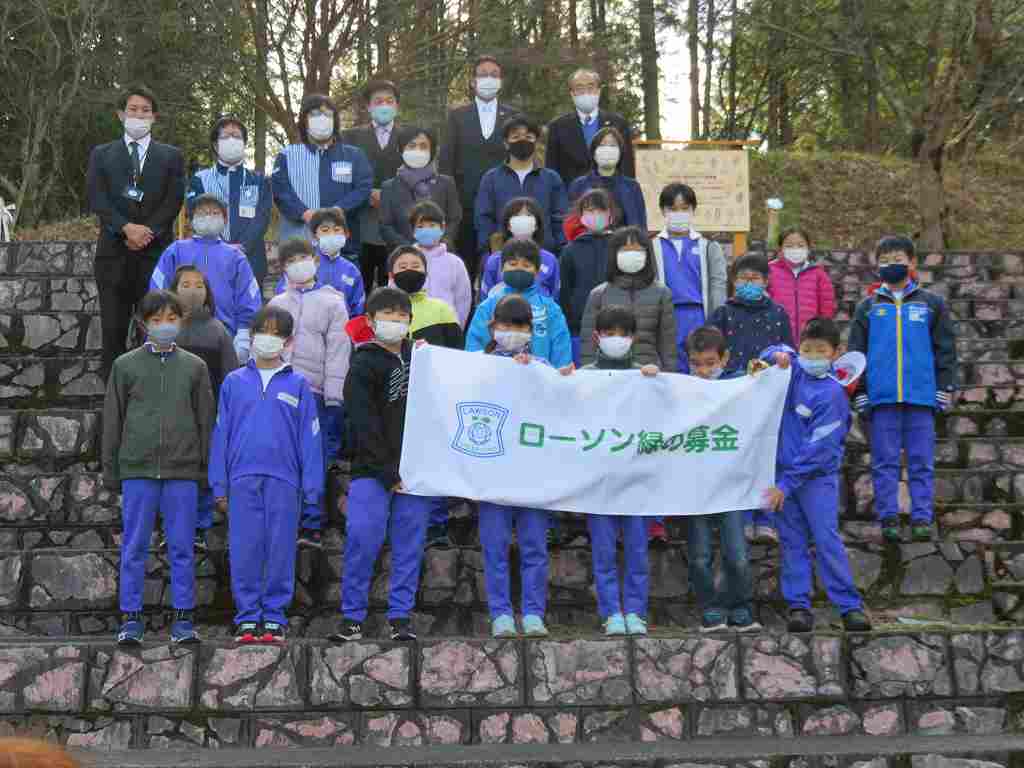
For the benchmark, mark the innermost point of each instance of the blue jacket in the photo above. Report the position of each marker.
(815, 421)
(910, 346)
(550, 333)
(625, 192)
(549, 279)
(239, 188)
(500, 184)
(750, 327)
(236, 294)
(317, 179)
(342, 275)
(584, 267)
(274, 433)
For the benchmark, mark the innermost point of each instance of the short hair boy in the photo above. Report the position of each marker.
(266, 463)
(902, 388)
(815, 421)
(376, 390)
(157, 418)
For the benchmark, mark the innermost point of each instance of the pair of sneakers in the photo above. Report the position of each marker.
(739, 619)
(133, 629)
(918, 533)
(630, 624)
(802, 620)
(401, 631)
(251, 632)
(505, 626)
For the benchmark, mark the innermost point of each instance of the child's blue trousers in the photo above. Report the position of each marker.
(604, 532)
(894, 429)
(531, 526)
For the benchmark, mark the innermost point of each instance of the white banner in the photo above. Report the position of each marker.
(600, 442)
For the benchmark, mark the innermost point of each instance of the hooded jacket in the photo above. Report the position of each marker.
(549, 278)
(804, 295)
(550, 340)
(750, 327)
(434, 322)
(376, 390)
(713, 269)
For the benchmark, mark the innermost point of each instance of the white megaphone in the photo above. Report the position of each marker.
(848, 368)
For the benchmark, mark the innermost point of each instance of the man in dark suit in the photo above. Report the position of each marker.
(473, 145)
(136, 187)
(569, 136)
(379, 141)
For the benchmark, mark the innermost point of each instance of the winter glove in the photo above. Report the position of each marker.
(242, 344)
(861, 403)
(944, 401)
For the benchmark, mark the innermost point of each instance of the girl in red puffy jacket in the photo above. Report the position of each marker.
(801, 285)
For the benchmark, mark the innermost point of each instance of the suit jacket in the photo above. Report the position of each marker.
(163, 186)
(385, 162)
(466, 155)
(568, 154)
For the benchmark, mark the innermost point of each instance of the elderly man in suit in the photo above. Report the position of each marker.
(569, 136)
(136, 187)
(473, 145)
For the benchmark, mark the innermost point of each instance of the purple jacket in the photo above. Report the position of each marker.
(321, 346)
(448, 280)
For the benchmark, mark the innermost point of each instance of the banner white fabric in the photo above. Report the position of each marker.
(599, 442)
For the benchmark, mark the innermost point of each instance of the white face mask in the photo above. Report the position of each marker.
(615, 347)
(208, 226)
(301, 271)
(230, 150)
(511, 341)
(267, 345)
(321, 127)
(390, 331)
(607, 156)
(795, 256)
(631, 262)
(522, 225)
(586, 102)
(487, 87)
(331, 244)
(137, 128)
(416, 158)
(677, 221)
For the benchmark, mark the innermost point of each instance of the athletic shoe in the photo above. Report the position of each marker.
(614, 625)
(657, 536)
(310, 539)
(247, 632)
(533, 626)
(742, 620)
(765, 534)
(437, 536)
(635, 625)
(800, 620)
(132, 629)
(273, 632)
(350, 630)
(891, 532)
(182, 630)
(504, 626)
(921, 533)
(713, 621)
(856, 621)
(401, 630)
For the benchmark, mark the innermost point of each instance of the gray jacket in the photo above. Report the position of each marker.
(655, 340)
(397, 199)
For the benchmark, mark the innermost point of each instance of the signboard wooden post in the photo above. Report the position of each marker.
(719, 176)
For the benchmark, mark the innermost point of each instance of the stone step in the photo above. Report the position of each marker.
(673, 688)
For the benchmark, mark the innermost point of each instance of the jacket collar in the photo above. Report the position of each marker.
(694, 235)
(251, 365)
(883, 290)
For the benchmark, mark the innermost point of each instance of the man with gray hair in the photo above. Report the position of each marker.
(569, 136)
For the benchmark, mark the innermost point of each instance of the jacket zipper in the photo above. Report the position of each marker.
(163, 390)
(899, 349)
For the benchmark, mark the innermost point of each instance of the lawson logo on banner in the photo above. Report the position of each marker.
(610, 442)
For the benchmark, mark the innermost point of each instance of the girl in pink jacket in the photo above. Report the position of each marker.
(800, 285)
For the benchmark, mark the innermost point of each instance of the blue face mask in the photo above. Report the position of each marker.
(817, 369)
(518, 279)
(428, 237)
(749, 292)
(162, 334)
(383, 114)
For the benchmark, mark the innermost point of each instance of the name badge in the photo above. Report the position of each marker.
(341, 172)
(133, 193)
(247, 211)
(250, 195)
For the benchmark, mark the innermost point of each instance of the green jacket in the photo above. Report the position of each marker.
(157, 417)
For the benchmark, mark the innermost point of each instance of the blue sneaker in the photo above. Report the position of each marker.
(533, 626)
(504, 626)
(635, 625)
(614, 625)
(182, 631)
(713, 621)
(742, 620)
(132, 629)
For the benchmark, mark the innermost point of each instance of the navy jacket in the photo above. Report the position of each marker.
(750, 328)
(625, 192)
(501, 184)
(584, 267)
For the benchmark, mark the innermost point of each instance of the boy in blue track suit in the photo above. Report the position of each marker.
(907, 335)
(265, 464)
(247, 193)
(520, 261)
(815, 421)
(236, 294)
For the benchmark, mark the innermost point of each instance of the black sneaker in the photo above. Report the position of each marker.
(247, 632)
(856, 621)
(310, 539)
(350, 630)
(401, 629)
(199, 544)
(800, 620)
(273, 632)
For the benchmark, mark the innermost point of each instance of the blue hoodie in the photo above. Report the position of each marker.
(342, 275)
(549, 278)
(236, 294)
(274, 433)
(815, 421)
(550, 340)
